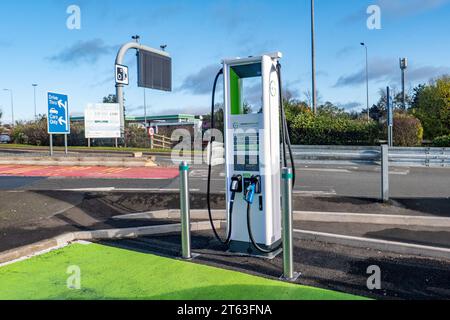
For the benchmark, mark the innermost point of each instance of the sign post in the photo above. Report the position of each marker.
(58, 120)
(390, 111)
(151, 134)
(102, 121)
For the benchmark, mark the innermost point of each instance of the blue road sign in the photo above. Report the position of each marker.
(58, 114)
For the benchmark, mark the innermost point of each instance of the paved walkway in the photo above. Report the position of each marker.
(89, 172)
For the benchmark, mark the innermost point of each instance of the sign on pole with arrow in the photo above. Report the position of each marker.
(58, 114)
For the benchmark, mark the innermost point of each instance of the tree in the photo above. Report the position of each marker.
(431, 105)
(110, 99)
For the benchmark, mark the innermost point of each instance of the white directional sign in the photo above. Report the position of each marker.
(58, 114)
(102, 120)
(122, 75)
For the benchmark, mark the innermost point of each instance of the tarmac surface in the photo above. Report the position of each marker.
(27, 217)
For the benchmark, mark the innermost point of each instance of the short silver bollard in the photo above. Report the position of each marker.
(185, 211)
(287, 212)
(385, 173)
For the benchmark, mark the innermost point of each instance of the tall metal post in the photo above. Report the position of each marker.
(403, 67)
(145, 108)
(367, 80)
(287, 212)
(35, 104)
(313, 57)
(185, 211)
(385, 173)
(367, 84)
(12, 105)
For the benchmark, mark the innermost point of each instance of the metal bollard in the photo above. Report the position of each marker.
(185, 211)
(287, 212)
(385, 173)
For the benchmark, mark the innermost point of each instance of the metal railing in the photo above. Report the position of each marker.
(420, 157)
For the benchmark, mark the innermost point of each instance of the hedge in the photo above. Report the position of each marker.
(35, 133)
(307, 129)
(442, 142)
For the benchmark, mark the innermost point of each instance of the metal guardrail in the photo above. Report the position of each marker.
(410, 157)
(421, 157)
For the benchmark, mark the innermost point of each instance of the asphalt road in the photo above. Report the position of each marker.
(317, 180)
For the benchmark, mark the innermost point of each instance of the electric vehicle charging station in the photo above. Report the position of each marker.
(253, 155)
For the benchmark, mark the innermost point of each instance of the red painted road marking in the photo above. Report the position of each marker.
(90, 172)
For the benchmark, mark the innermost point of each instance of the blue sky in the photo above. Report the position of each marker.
(37, 47)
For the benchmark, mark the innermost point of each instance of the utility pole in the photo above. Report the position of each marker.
(367, 80)
(12, 105)
(35, 105)
(403, 67)
(313, 57)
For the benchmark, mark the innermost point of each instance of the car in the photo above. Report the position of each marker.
(4, 138)
(53, 111)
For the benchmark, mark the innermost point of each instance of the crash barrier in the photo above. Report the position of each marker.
(398, 156)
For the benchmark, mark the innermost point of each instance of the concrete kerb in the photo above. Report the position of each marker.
(79, 161)
(380, 245)
(116, 234)
(311, 216)
(110, 234)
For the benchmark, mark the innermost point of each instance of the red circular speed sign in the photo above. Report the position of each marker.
(151, 132)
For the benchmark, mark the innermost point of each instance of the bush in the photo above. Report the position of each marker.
(326, 129)
(442, 142)
(408, 131)
(35, 133)
(32, 133)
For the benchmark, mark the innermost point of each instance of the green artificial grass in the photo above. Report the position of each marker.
(112, 273)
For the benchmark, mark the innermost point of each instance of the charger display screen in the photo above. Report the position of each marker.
(246, 152)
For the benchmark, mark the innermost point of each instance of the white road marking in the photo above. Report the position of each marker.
(400, 173)
(325, 170)
(125, 190)
(315, 193)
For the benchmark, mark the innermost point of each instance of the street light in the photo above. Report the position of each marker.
(137, 38)
(12, 104)
(403, 67)
(367, 80)
(35, 105)
(313, 58)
